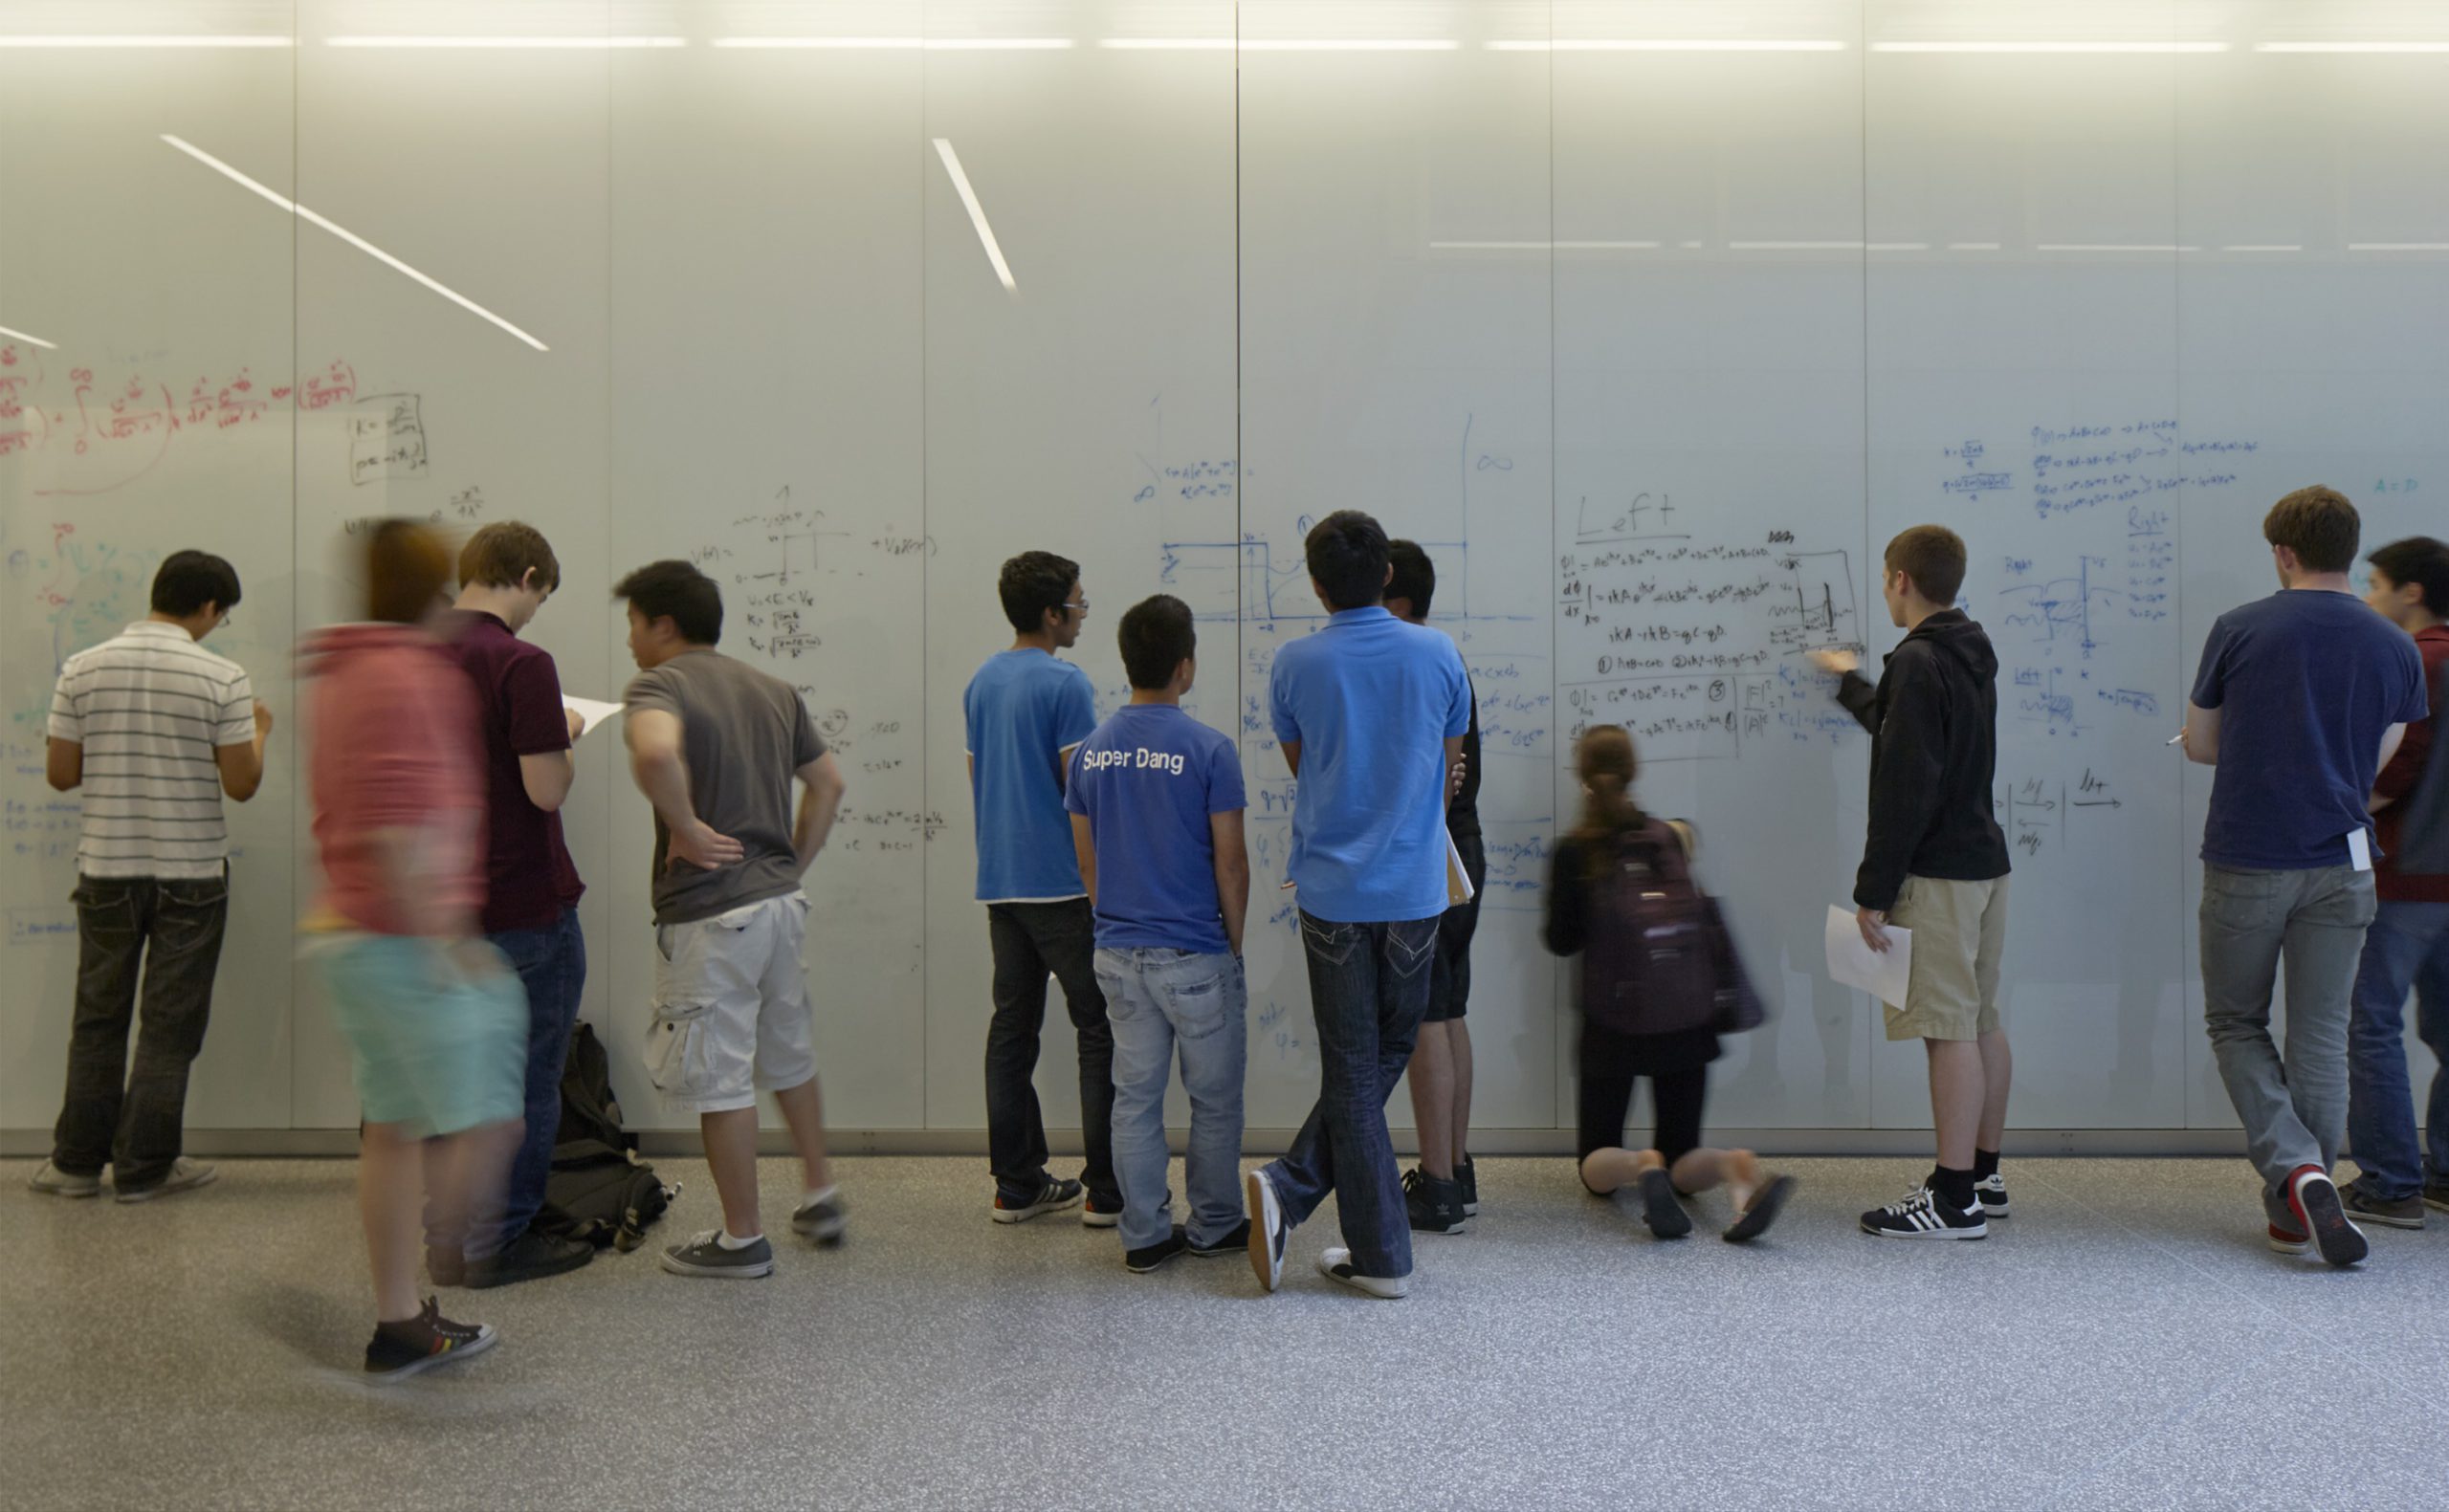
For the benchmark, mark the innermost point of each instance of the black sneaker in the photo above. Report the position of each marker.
(1661, 1210)
(2314, 1200)
(1434, 1206)
(706, 1256)
(1236, 1239)
(1920, 1214)
(1145, 1259)
(821, 1217)
(445, 1263)
(2436, 1193)
(1101, 1213)
(2397, 1213)
(530, 1257)
(1266, 1231)
(1336, 1264)
(419, 1344)
(1052, 1198)
(1990, 1193)
(1467, 1177)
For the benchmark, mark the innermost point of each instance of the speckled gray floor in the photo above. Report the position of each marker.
(2125, 1341)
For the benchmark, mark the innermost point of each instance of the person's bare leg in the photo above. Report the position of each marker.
(1700, 1169)
(804, 1111)
(1458, 1049)
(390, 1203)
(1432, 1079)
(1959, 1091)
(731, 1151)
(1997, 1072)
(1605, 1171)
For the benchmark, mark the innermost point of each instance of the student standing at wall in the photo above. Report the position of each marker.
(2301, 700)
(1371, 714)
(1443, 1193)
(2408, 945)
(716, 746)
(1156, 799)
(1025, 710)
(506, 572)
(433, 1020)
(1935, 863)
(157, 731)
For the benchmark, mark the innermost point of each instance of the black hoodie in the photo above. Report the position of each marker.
(1934, 749)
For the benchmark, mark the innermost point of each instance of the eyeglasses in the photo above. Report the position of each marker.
(1080, 608)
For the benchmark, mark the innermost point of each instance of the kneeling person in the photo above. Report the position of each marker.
(1156, 801)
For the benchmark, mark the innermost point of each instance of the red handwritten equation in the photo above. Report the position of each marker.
(104, 433)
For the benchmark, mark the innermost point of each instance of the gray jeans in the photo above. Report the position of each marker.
(2294, 1108)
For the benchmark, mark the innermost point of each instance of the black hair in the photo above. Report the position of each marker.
(2417, 559)
(679, 590)
(1157, 637)
(1415, 575)
(1346, 553)
(1033, 582)
(190, 579)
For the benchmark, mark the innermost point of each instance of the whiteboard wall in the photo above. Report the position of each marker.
(1652, 320)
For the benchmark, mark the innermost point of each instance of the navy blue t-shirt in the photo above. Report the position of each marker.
(2307, 682)
(1148, 780)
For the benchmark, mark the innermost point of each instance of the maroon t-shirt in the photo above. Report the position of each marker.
(529, 878)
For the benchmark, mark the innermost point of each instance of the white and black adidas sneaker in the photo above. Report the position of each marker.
(1991, 1192)
(1920, 1214)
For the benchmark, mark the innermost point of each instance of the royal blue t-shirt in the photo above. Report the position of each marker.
(2307, 682)
(1148, 780)
(1373, 702)
(1024, 710)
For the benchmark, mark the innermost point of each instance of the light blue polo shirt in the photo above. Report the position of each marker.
(1373, 702)
(1023, 711)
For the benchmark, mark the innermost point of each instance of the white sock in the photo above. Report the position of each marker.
(727, 1241)
(816, 1195)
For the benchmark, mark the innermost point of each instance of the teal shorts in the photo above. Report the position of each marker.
(430, 1046)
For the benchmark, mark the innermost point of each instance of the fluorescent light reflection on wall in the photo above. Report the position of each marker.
(133, 40)
(2049, 47)
(21, 335)
(900, 44)
(1670, 45)
(350, 236)
(977, 212)
(507, 43)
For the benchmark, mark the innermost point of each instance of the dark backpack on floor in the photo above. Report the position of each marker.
(599, 1189)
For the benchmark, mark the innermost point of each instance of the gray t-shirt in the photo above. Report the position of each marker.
(744, 735)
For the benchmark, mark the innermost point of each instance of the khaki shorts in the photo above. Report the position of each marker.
(1960, 929)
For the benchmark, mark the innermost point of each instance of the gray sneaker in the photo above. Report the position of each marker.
(51, 1181)
(2398, 1213)
(704, 1256)
(2436, 1193)
(821, 1217)
(185, 1175)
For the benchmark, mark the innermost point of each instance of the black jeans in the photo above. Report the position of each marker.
(169, 933)
(1030, 940)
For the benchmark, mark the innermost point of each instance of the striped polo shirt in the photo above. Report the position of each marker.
(150, 706)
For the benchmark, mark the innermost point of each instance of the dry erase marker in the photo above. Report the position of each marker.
(2176, 738)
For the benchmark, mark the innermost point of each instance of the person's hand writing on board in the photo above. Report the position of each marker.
(697, 844)
(1835, 660)
(1873, 923)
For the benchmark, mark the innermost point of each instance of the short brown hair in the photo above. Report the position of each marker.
(2319, 525)
(502, 553)
(407, 565)
(1933, 555)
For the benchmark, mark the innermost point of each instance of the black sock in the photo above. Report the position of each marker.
(1954, 1186)
(1985, 1164)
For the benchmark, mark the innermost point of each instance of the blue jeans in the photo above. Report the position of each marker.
(1368, 992)
(1158, 1000)
(2408, 945)
(551, 964)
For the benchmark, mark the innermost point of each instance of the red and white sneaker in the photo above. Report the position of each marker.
(2314, 1199)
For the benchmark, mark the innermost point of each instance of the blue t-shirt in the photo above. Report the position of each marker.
(2306, 682)
(1148, 780)
(1373, 702)
(1024, 710)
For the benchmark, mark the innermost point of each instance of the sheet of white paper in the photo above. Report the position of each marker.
(1856, 964)
(590, 711)
(2359, 850)
(1458, 877)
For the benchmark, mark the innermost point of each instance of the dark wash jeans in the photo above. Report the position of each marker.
(1030, 940)
(168, 932)
(1368, 992)
(551, 964)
